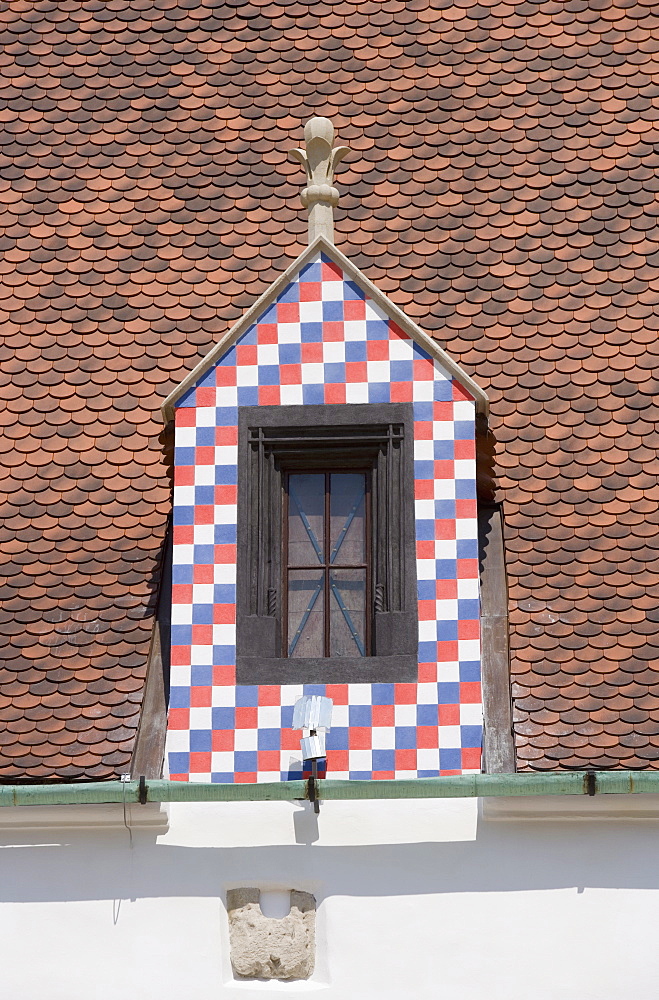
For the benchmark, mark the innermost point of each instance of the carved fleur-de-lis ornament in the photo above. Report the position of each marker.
(319, 160)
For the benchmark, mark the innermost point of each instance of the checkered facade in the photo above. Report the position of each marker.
(324, 341)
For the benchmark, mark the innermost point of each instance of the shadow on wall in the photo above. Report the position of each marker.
(503, 857)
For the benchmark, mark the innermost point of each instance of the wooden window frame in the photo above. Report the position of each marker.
(273, 440)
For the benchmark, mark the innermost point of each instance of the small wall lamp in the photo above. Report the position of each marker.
(313, 715)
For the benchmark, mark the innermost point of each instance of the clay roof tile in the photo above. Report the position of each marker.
(498, 216)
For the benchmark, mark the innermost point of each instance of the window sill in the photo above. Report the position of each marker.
(402, 668)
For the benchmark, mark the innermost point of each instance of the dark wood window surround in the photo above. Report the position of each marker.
(275, 441)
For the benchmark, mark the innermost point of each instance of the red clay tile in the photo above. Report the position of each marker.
(490, 215)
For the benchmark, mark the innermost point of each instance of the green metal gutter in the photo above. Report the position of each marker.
(458, 786)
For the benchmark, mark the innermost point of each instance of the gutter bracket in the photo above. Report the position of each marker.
(313, 786)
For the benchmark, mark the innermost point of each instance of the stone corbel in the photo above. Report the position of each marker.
(269, 947)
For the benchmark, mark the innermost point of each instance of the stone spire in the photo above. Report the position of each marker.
(319, 160)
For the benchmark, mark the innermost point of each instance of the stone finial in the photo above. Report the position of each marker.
(320, 161)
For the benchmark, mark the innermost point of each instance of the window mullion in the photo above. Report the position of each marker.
(285, 567)
(368, 583)
(326, 546)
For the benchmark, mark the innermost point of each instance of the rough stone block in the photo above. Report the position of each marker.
(268, 947)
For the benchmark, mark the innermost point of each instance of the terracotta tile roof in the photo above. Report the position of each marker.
(503, 190)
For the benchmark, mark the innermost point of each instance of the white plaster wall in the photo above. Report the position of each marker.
(419, 899)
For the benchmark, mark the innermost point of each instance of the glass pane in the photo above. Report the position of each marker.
(347, 519)
(306, 506)
(306, 633)
(347, 612)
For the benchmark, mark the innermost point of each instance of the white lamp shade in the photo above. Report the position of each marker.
(313, 747)
(312, 711)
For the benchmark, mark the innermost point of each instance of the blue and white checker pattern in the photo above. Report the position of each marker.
(324, 341)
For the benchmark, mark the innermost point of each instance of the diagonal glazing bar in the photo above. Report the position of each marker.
(305, 521)
(333, 587)
(348, 620)
(346, 526)
(305, 616)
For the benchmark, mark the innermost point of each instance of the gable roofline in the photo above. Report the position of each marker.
(354, 274)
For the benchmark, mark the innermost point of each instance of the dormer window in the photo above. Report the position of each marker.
(325, 539)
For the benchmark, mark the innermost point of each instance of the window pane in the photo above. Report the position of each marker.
(347, 521)
(306, 506)
(347, 617)
(306, 632)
